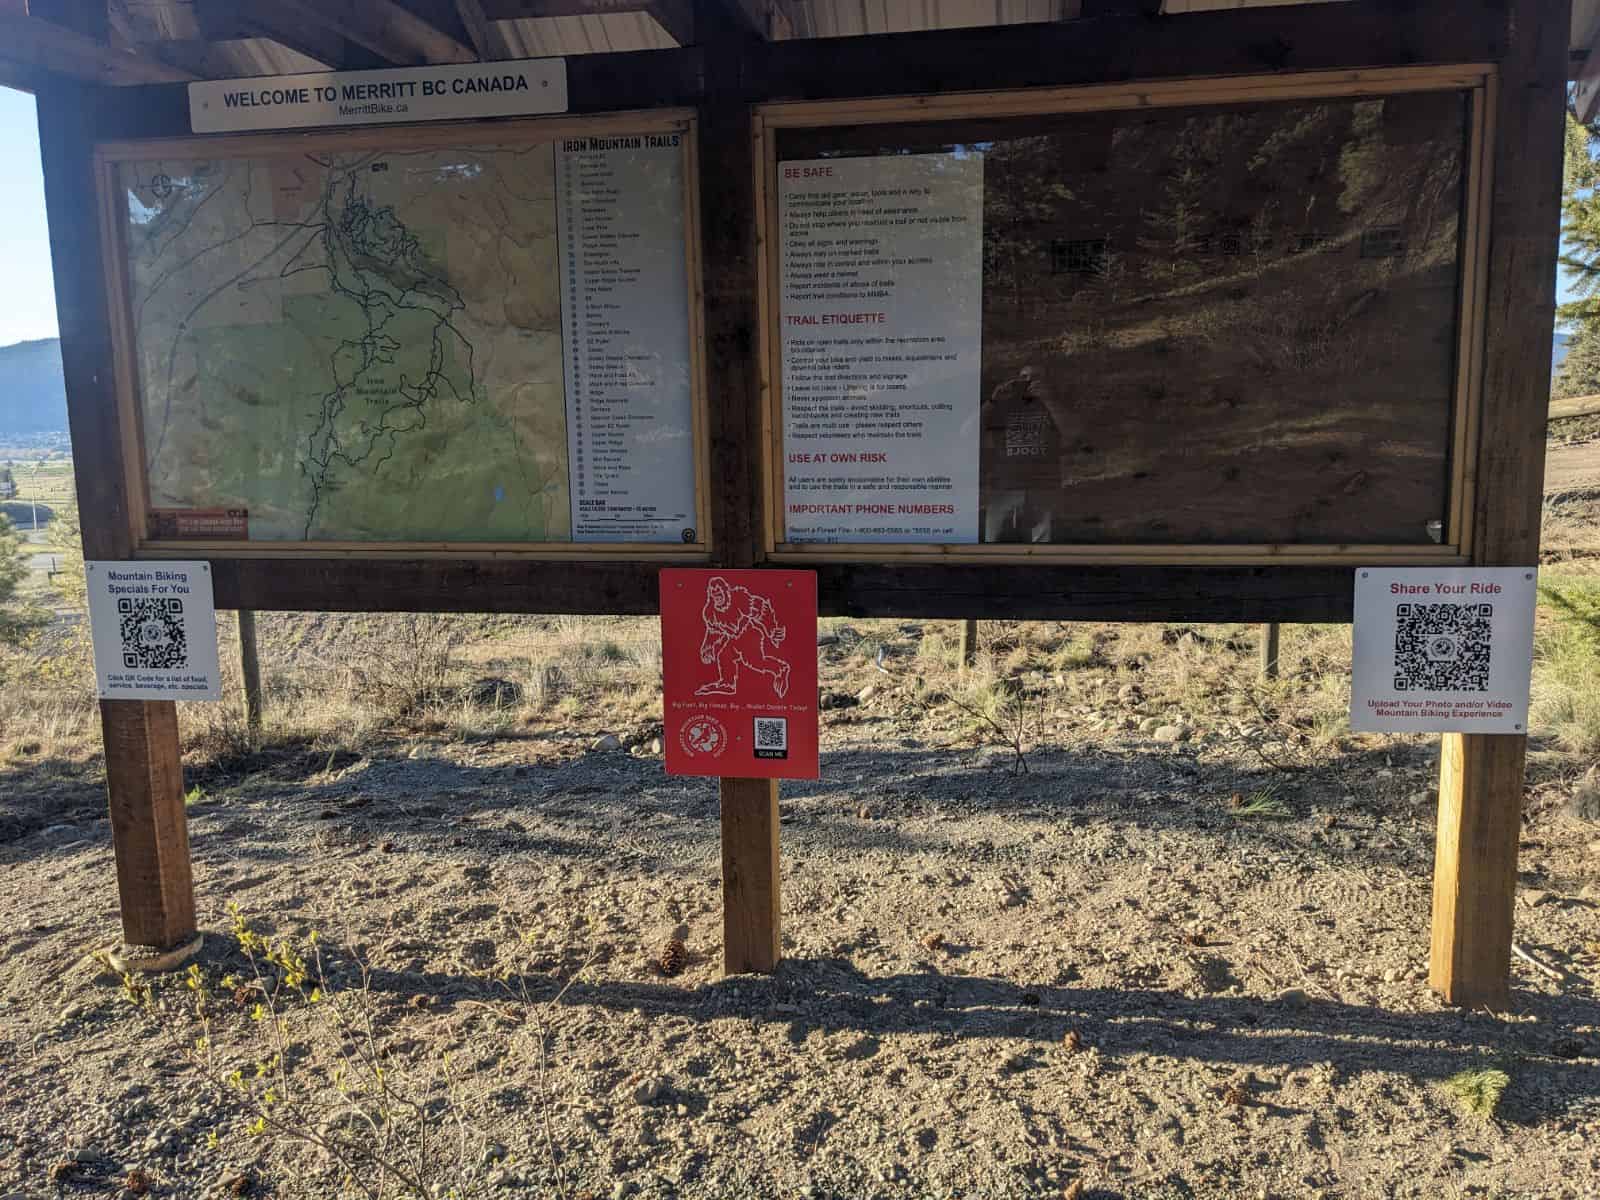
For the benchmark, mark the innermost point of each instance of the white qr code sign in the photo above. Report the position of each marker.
(1447, 650)
(155, 630)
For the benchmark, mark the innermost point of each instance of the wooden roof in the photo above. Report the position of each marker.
(145, 41)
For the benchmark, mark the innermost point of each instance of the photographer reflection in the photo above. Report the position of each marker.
(1019, 460)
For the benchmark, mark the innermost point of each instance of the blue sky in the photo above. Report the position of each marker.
(29, 308)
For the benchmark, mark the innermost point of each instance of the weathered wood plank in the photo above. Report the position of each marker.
(1109, 49)
(727, 231)
(30, 45)
(751, 902)
(1480, 783)
(149, 828)
(144, 777)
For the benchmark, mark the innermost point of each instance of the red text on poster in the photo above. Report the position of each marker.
(739, 672)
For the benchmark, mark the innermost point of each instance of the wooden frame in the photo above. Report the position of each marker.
(109, 156)
(1477, 80)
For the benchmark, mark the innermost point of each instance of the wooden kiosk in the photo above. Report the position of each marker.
(1265, 293)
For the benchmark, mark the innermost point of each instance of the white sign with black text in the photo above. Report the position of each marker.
(154, 626)
(339, 98)
(1443, 650)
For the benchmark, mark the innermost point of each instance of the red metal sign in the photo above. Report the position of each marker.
(739, 670)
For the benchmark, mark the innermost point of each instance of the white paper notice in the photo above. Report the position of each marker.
(1446, 650)
(154, 627)
(882, 291)
(625, 333)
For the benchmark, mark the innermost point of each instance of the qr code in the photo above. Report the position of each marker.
(152, 633)
(1442, 647)
(772, 737)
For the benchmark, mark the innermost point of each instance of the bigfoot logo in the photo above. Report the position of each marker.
(741, 629)
(739, 660)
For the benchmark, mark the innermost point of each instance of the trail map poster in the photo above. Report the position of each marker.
(1228, 324)
(474, 343)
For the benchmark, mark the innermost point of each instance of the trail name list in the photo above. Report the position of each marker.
(881, 281)
(625, 338)
(501, 89)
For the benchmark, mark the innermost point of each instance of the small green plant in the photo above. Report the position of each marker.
(194, 795)
(1265, 804)
(1478, 1089)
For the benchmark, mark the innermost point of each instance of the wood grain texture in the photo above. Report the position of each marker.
(1480, 783)
(750, 893)
(149, 828)
(727, 206)
(1371, 33)
(144, 778)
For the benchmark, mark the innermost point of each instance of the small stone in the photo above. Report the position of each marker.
(648, 1090)
(867, 693)
(1533, 897)
(1293, 997)
(655, 746)
(1392, 975)
(622, 1189)
(1171, 733)
(73, 1011)
(1149, 724)
(605, 743)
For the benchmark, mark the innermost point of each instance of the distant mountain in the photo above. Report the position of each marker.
(33, 397)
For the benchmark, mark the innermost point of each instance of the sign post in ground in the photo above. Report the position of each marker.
(739, 703)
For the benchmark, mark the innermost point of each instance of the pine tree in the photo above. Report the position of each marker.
(1579, 374)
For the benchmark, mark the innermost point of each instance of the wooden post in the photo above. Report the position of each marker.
(149, 830)
(1480, 777)
(1269, 650)
(750, 894)
(969, 642)
(144, 777)
(250, 671)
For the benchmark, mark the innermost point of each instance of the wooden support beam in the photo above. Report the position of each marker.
(969, 642)
(31, 46)
(234, 20)
(675, 16)
(487, 38)
(395, 34)
(149, 828)
(144, 778)
(1269, 650)
(1480, 778)
(249, 672)
(1586, 86)
(751, 904)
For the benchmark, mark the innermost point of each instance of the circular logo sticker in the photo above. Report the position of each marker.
(703, 736)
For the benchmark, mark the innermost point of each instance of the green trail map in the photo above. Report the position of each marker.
(353, 347)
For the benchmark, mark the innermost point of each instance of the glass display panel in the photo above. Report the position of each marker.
(483, 342)
(1225, 325)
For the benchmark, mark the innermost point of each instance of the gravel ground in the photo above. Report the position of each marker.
(1096, 978)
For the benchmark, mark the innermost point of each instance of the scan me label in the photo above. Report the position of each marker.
(739, 670)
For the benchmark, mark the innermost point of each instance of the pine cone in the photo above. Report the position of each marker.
(674, 957)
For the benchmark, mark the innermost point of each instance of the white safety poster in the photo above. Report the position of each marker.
(154, 626)
(1443, 650)
(625, 337)
(881, 316)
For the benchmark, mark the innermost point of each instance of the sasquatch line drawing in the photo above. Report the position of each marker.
(742, 630)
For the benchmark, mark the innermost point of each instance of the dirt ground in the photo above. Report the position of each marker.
(1182, 954)
(1106, 916)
